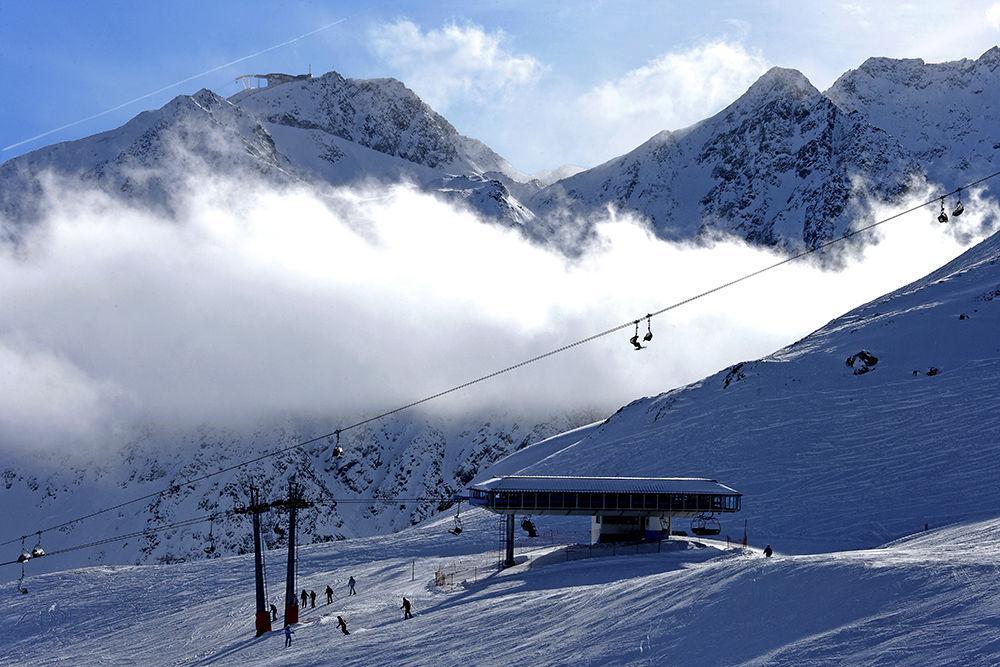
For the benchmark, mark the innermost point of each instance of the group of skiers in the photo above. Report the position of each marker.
(310, 597)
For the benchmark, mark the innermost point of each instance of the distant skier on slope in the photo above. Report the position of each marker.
(274, 613)
(288, 635)
(406, 609)
(304, 597)
(768, 551)
(312, 598)
(350, 586)
(343, 625)
(329, 595)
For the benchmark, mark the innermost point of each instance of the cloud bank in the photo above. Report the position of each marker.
(256, 303)
(676, 89)
(452, 62)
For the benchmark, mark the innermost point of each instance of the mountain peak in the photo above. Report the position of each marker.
(781, 81)
(991, 55)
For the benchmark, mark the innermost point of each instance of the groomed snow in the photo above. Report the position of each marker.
(929, 599)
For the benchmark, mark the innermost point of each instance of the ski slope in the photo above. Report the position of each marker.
(932, 598)
(830, 456)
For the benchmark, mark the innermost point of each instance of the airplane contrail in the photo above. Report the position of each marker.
(175, 84)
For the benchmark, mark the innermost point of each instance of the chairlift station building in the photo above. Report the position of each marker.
(621, 508)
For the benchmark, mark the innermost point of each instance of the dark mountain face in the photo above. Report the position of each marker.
(781, 165)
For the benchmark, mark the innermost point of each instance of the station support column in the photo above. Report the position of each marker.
(508, 560)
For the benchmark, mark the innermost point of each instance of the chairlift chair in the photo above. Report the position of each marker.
(942, 217)
(38, 551)
(649, 329)
(25, 554)
(337, 450)
(23, 558)
(634, 340)
(705, 525)
(959, 208)
(528, 526)
(456, 529)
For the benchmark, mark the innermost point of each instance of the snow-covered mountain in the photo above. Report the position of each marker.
(381, 114)
(881, 422)
(945, 114)
(415, 462)
(327, 130)
(782, 164)
(141, 160)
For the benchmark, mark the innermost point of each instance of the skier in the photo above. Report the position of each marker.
(329, 595)
(304, 597)
(288, 635)
(274, 613)
(406, 609)
(343, 625)
(768, 551)
(350, 586)
(312, 598)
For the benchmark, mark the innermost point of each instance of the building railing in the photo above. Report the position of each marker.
(527, 501)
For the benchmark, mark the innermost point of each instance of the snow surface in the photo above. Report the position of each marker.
(926, 600)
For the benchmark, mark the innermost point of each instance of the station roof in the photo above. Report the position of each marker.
(543, 483)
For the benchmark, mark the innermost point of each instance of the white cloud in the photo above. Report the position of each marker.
(675, 89)
(993, 15)
(454, 61)
(257, 304)
(859, 12)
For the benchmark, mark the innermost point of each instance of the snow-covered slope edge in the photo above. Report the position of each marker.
(882, 421)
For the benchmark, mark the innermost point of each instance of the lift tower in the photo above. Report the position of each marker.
(262, 620)
(293, 503)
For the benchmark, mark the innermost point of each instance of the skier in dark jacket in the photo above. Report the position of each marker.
(343, 625)
(350, 585)
(768, 551)
(329, 595)
(274, 613)
(288, 635)
(406, 609)
(312, 598)
(304, 597)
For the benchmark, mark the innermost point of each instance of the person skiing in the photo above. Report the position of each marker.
(288, 635)
(350, 586)
(304, 597)
(312, 598)
(768, 551)
(406, 609)
(274, 613)
(343, 625)
(329, 595)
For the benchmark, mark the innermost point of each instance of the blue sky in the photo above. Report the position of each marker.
(543, 83)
